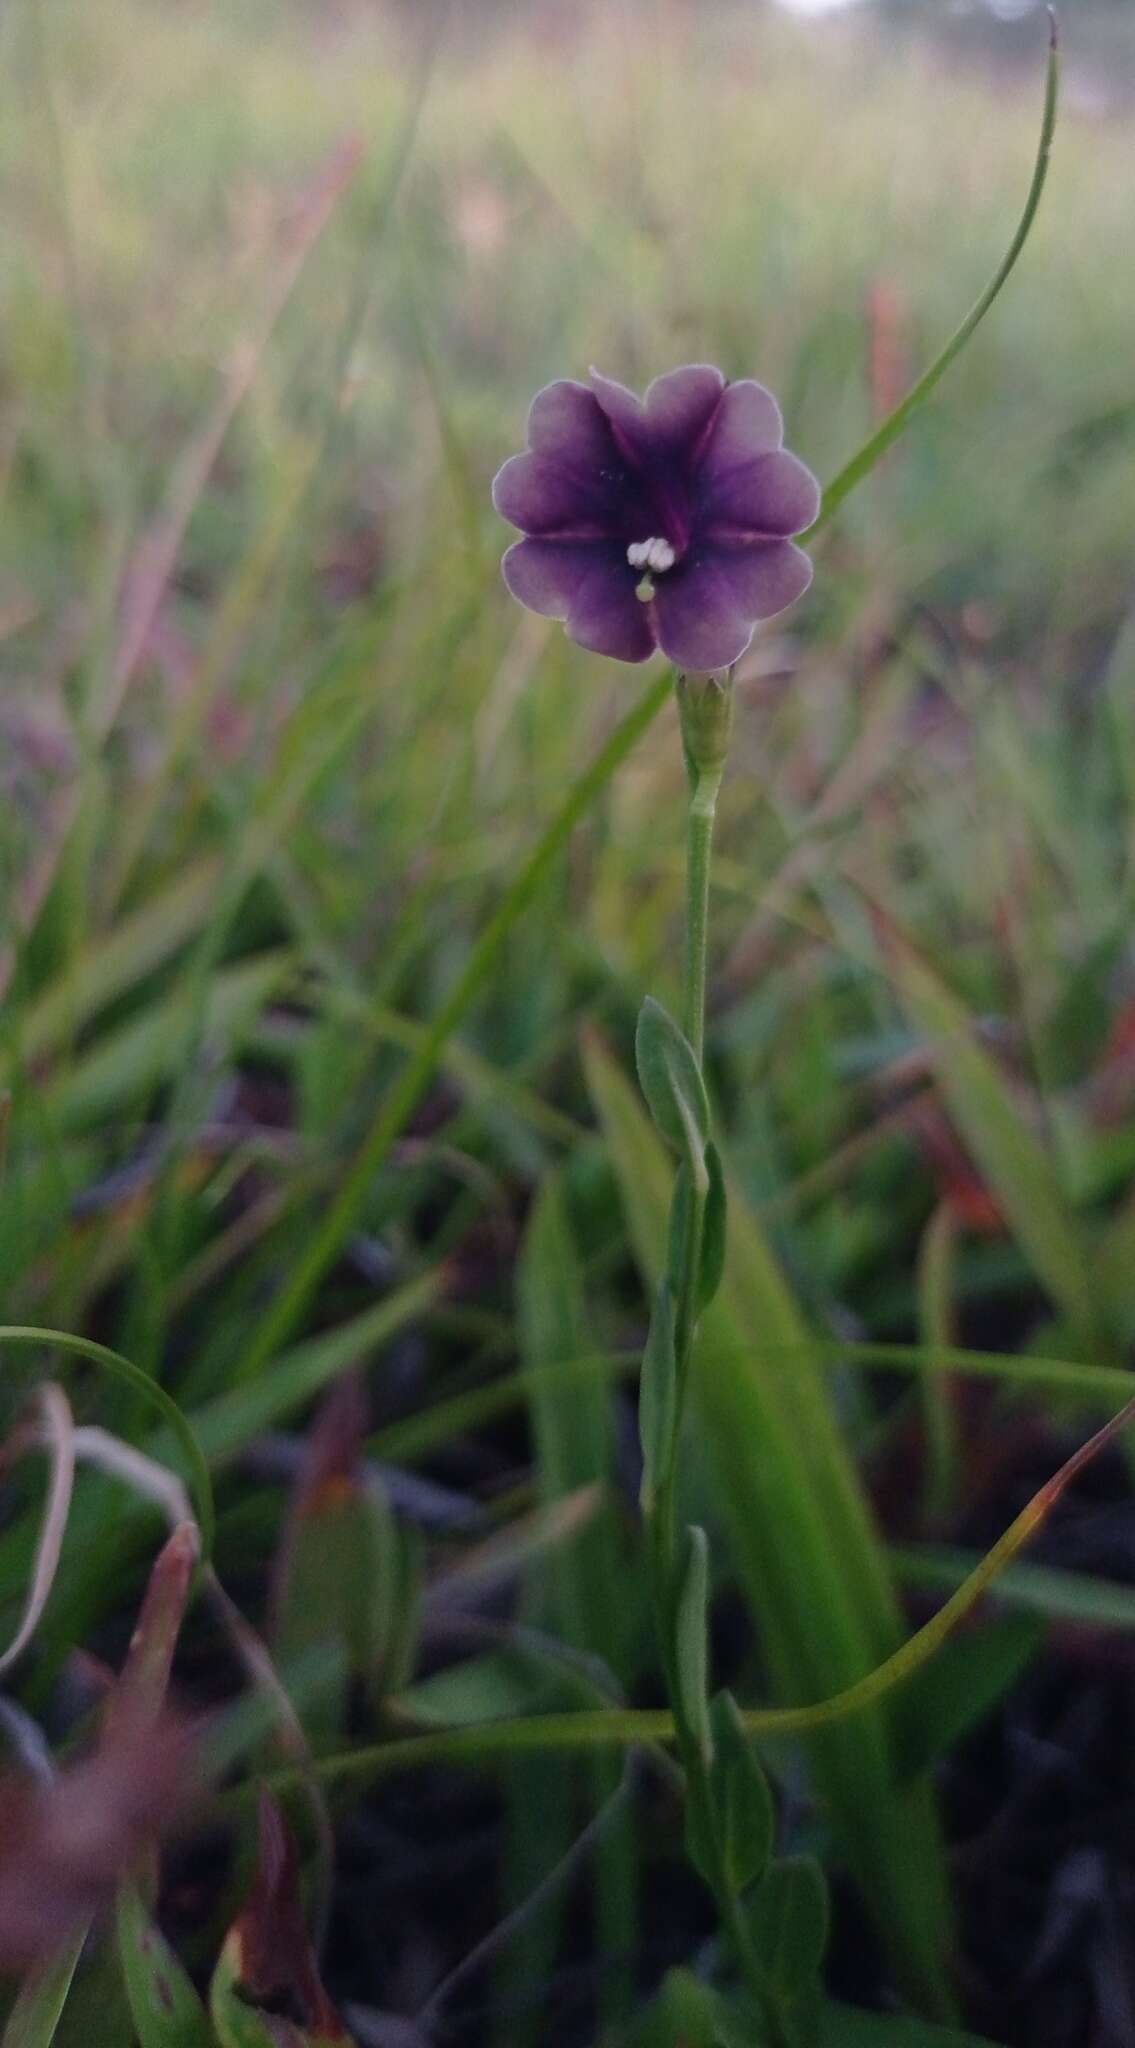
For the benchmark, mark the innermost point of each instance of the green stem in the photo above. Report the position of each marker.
(705, 782)
(703, 810)
(704, 786)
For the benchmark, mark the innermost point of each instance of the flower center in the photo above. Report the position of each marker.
(651, 554)
(653, 557)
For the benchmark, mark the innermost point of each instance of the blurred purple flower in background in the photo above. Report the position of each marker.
(658, 522)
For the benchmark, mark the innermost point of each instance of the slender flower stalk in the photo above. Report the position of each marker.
(705, 709)
(667, 522)
(705, 706)
(699, 851)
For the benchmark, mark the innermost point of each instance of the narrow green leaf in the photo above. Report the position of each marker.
(845, 2026)
(1039, 1589)
(164, 2007)
(556, 1732)
(803, 1540)
(936, 1281)
(401, 1614)
(678, 1232)
(117, 961)
(672, 1083)
(216, 1431)
(963, 1683)
(657, 1392)
(788, 1919)
(540, 1826)
(1011, 1156)
(684, 2009)
(123, 1064)
(338, 1580)
(97, 2010)
(746, 1820)
(400, 1102)
(1084, 1386)
(226, 1424)
(595, 1600)
(121, 1368)
(572, 1423)
(42, 1997)
(498, 1686)
(701, 1831)
(691, 1640)
(713, 1229)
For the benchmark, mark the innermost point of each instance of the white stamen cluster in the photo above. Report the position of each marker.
(654, 554)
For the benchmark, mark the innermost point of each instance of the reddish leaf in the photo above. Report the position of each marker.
(268, 1959)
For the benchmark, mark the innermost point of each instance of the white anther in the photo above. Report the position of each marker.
(656, 554)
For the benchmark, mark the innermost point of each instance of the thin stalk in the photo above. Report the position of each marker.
(704, 786)
(699, 842)
(705, 729)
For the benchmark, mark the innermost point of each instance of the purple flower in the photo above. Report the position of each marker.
(657, 522)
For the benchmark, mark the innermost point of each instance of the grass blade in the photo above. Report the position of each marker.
(122, 1369)
(43, 1995)
(328, 1240)
(625, 1725)
(804, 1544)
(862, 463)
(165, 2008)
(575, 1444)
(1011, 1156)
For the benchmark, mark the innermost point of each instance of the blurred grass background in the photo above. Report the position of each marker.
(278, 286)
(278, 290)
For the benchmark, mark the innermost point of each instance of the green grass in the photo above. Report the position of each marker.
(308, 887)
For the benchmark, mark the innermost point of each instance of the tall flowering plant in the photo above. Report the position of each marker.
(673, 523)
(669, 522)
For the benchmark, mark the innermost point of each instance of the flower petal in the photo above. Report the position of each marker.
(747, 423)
(705, 611)
(566, 419)
(772, 494)
(588, 585)
(623, 408)
(573, 482)
(543, 496)
(678, 410)
(682, 404)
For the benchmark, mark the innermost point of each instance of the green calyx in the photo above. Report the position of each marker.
(705, 708)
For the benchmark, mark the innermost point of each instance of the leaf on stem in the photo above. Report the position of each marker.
(657, 1393)
(672, 1083)
(691, 1647)
(711, 1265)
(164, 2007)
(742, 1799)
(788, 1919)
